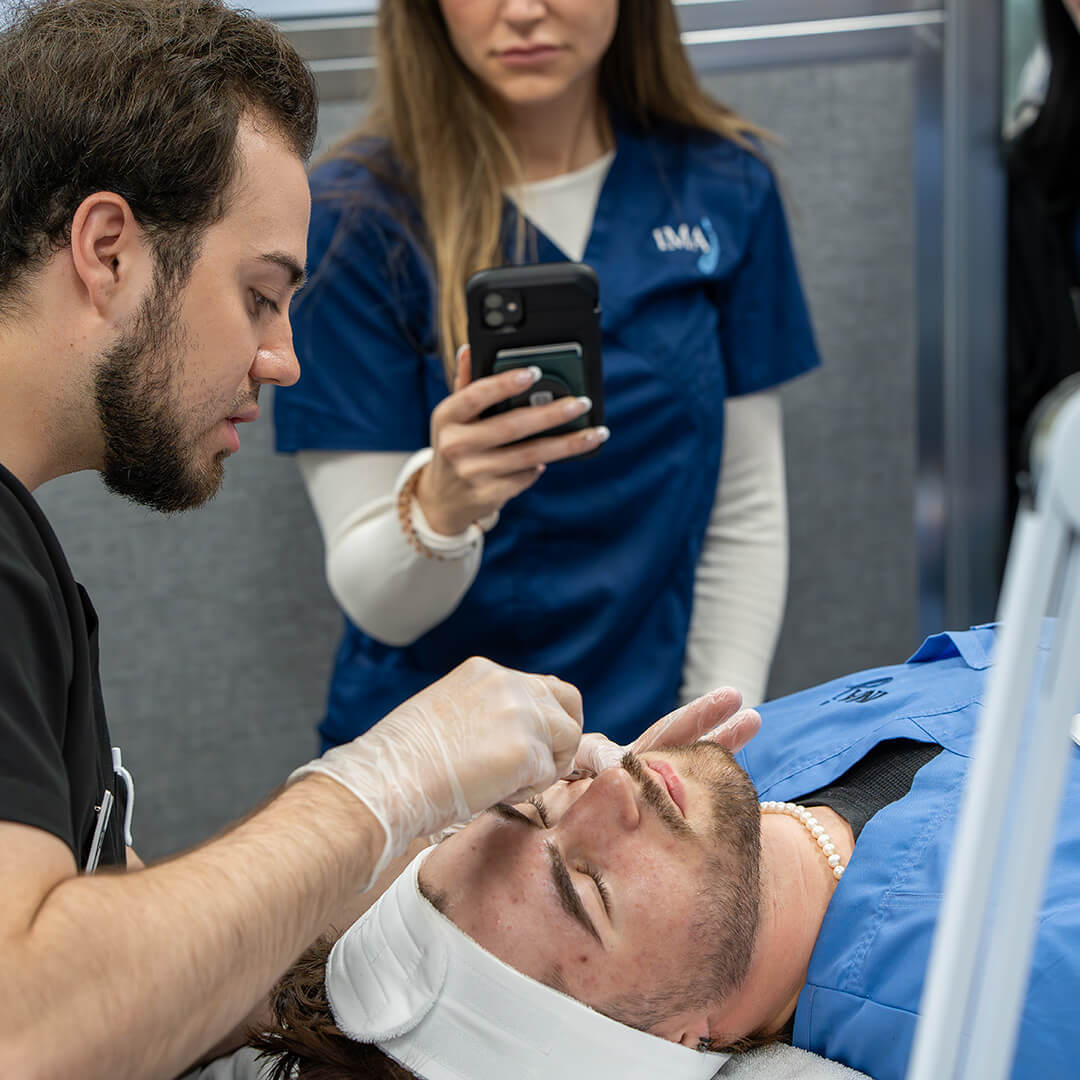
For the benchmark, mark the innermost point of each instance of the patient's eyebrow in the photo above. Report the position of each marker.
(560, 875)
(568, 895)
(512, 813)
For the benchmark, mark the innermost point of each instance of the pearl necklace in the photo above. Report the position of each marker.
(813, 827)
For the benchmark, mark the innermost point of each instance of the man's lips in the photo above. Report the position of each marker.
(672, 784)
(244, 416)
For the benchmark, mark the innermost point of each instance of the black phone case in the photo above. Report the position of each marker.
(559, 305)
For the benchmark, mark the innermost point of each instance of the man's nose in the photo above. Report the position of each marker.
(613, 797)
(276, 364)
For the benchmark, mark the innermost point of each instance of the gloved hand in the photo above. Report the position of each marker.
(715, 716)
(476, 737)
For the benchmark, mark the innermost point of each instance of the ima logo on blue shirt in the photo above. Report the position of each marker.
(701, 238)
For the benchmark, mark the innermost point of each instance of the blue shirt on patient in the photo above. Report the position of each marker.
(860, 1002)
(589, 574)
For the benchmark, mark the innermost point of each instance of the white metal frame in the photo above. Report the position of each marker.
(980, 963)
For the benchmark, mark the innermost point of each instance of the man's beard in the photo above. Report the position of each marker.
(149, 457)
(727, 914)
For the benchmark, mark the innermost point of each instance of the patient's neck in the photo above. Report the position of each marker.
(796, 887)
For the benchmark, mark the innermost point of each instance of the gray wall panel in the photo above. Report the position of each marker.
(336, 119)
(846, 166)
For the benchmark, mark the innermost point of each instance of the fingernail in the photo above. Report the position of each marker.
(461, 349)
(597, 435)
(527, 376)
(578, 406)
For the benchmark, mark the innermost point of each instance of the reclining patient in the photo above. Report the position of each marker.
(661, 895)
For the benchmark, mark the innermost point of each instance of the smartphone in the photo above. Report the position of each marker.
(547, 314)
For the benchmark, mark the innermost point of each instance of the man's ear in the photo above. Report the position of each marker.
(109, 254)
(691, 1029)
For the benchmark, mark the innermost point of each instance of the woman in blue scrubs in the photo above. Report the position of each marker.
(510, 131)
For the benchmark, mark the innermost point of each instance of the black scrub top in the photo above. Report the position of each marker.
(55, 755)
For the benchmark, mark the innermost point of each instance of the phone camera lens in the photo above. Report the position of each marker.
(493, 300)
(494, 318)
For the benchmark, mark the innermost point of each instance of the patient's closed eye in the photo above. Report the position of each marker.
(560, 871)
(538, 805)
(601, 886)
(586, 868)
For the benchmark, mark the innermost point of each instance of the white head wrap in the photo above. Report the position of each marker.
(407, 979)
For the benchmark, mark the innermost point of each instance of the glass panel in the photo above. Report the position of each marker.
(310, 9)
(1026, 63)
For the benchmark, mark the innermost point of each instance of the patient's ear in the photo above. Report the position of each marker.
(690, 1029)
(111, 260)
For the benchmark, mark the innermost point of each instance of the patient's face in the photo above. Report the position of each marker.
(635, 892)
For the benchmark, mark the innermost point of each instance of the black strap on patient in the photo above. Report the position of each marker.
(883, 776)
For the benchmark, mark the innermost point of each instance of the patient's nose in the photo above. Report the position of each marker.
(612, 799)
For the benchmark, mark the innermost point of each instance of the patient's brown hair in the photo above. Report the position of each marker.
(303, 1036)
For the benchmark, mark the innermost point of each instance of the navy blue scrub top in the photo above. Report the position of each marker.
(589, 574)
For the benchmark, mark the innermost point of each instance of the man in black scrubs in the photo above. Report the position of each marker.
(153, 217)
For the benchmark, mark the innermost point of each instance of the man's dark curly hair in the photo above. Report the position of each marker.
(139, 97)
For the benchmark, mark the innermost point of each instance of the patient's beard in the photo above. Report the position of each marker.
(727, 918)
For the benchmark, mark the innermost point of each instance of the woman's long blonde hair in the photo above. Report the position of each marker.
(440, 127)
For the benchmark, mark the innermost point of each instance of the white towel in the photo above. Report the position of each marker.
(780, 1062)
(777, 1062)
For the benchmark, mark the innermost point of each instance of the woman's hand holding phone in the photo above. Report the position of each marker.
(479, 464)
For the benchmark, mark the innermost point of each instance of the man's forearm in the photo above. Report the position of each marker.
(137, 975)
(340, 920)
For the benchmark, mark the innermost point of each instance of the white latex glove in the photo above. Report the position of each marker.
(715, 716)
(480, 735)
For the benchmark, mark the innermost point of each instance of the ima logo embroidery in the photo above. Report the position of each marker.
(701, 238)
(862, 693)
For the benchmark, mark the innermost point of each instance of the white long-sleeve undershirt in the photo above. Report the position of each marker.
(395, 594)
(740, 584)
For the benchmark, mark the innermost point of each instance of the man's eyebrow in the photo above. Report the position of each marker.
(560, 875)
(512, 813)
(568, 895)
(297, 276)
